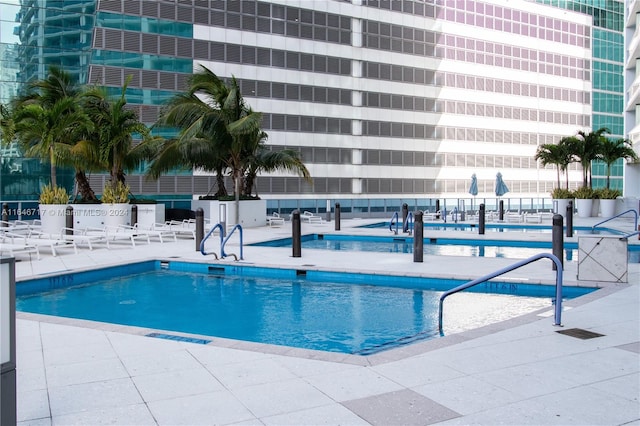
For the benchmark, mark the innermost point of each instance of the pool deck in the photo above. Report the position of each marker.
(520, 371)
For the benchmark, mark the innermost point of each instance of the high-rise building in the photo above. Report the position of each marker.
(384, 99)
(607, 65)
(632, 98)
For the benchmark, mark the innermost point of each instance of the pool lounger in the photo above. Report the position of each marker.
(275, 220)
(38, 240)
(310, 217)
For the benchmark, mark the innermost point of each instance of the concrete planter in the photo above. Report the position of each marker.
(608, 208)
(253, 213)
(584, 206)
(53, 217)
(560, 206)
(150, 214)
(116, 214)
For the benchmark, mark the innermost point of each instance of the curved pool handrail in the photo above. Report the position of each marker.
(224, 242)
(405, 224)
(204, 253)
(391, 222)
(617, 216)
(624, 237)
(558, 263)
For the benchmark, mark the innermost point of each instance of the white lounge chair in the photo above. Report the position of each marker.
(275, 220)
(40, 240)
(158, 232)
(310, 217)
(17, 246)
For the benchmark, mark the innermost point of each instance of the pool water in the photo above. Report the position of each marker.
(321, 310)
(436, 246)
(495, 227)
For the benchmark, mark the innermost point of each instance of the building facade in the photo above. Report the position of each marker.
(384, 99)
(632, 98)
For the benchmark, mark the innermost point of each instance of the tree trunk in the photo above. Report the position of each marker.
(52, 160)
(222, 190)
(84, 188)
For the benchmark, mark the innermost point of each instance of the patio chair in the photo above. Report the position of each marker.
(275, 220)
(309, 217)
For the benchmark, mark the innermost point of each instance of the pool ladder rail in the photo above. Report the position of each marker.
(223, 242)
(407, 225)
(558, 301)
(635, 224)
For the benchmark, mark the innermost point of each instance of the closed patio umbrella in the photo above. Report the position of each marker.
(473, 189)
(501, 187)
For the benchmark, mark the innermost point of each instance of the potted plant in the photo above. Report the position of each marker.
(608, 200)
(115, 202)
(53, 208)
(561, 198)
(584, 200)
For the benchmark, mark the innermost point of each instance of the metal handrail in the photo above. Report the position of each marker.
(395, 216)
(208, 235)
(617, 216)
(558, 263)
(624, 237)
(405, 224)
(223, 243)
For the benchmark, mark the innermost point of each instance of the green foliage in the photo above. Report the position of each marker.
(608, 194)
(561, 193)
(115, 193)
(584, 192)
(53, 195)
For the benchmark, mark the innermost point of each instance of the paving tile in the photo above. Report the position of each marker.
(352, 384)
(334, 414)
(85, 372)
(625, 386)
(281, 397)
(404, 407)
(38, 422)
(32, 405)
(78, 353)
(159, 362)
(592, 406)
(174, 384)
(216, 408)
(239, 375)
(416, 371)
(93, 396)
(133, 345)
(467, 395)
(137, 415)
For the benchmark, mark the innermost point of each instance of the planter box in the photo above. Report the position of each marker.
(150, 214)
(117, 214)
(584, 206)
(560, 206)
(253, 213)
(609, 208)
(100, 215)
(88, 215)
(53, 217)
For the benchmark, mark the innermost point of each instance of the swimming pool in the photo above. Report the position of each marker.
(436, 246)
(497, 227)
(322, 310)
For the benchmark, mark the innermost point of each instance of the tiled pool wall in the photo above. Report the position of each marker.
(53, 282)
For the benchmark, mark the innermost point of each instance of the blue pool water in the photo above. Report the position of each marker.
(330, 311)
(497, 227)
(436, 246)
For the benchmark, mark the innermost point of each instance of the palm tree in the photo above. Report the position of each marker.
(217, 130)
(46, 132)
(262, 159)
(115, 126)
(559, 154)
(52, 99)
(613, 150)
(586, 150)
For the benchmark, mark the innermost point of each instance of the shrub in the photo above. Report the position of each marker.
(50, 195)
(584, 192)
(118, 193)
(608, 194)
(559, 193)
